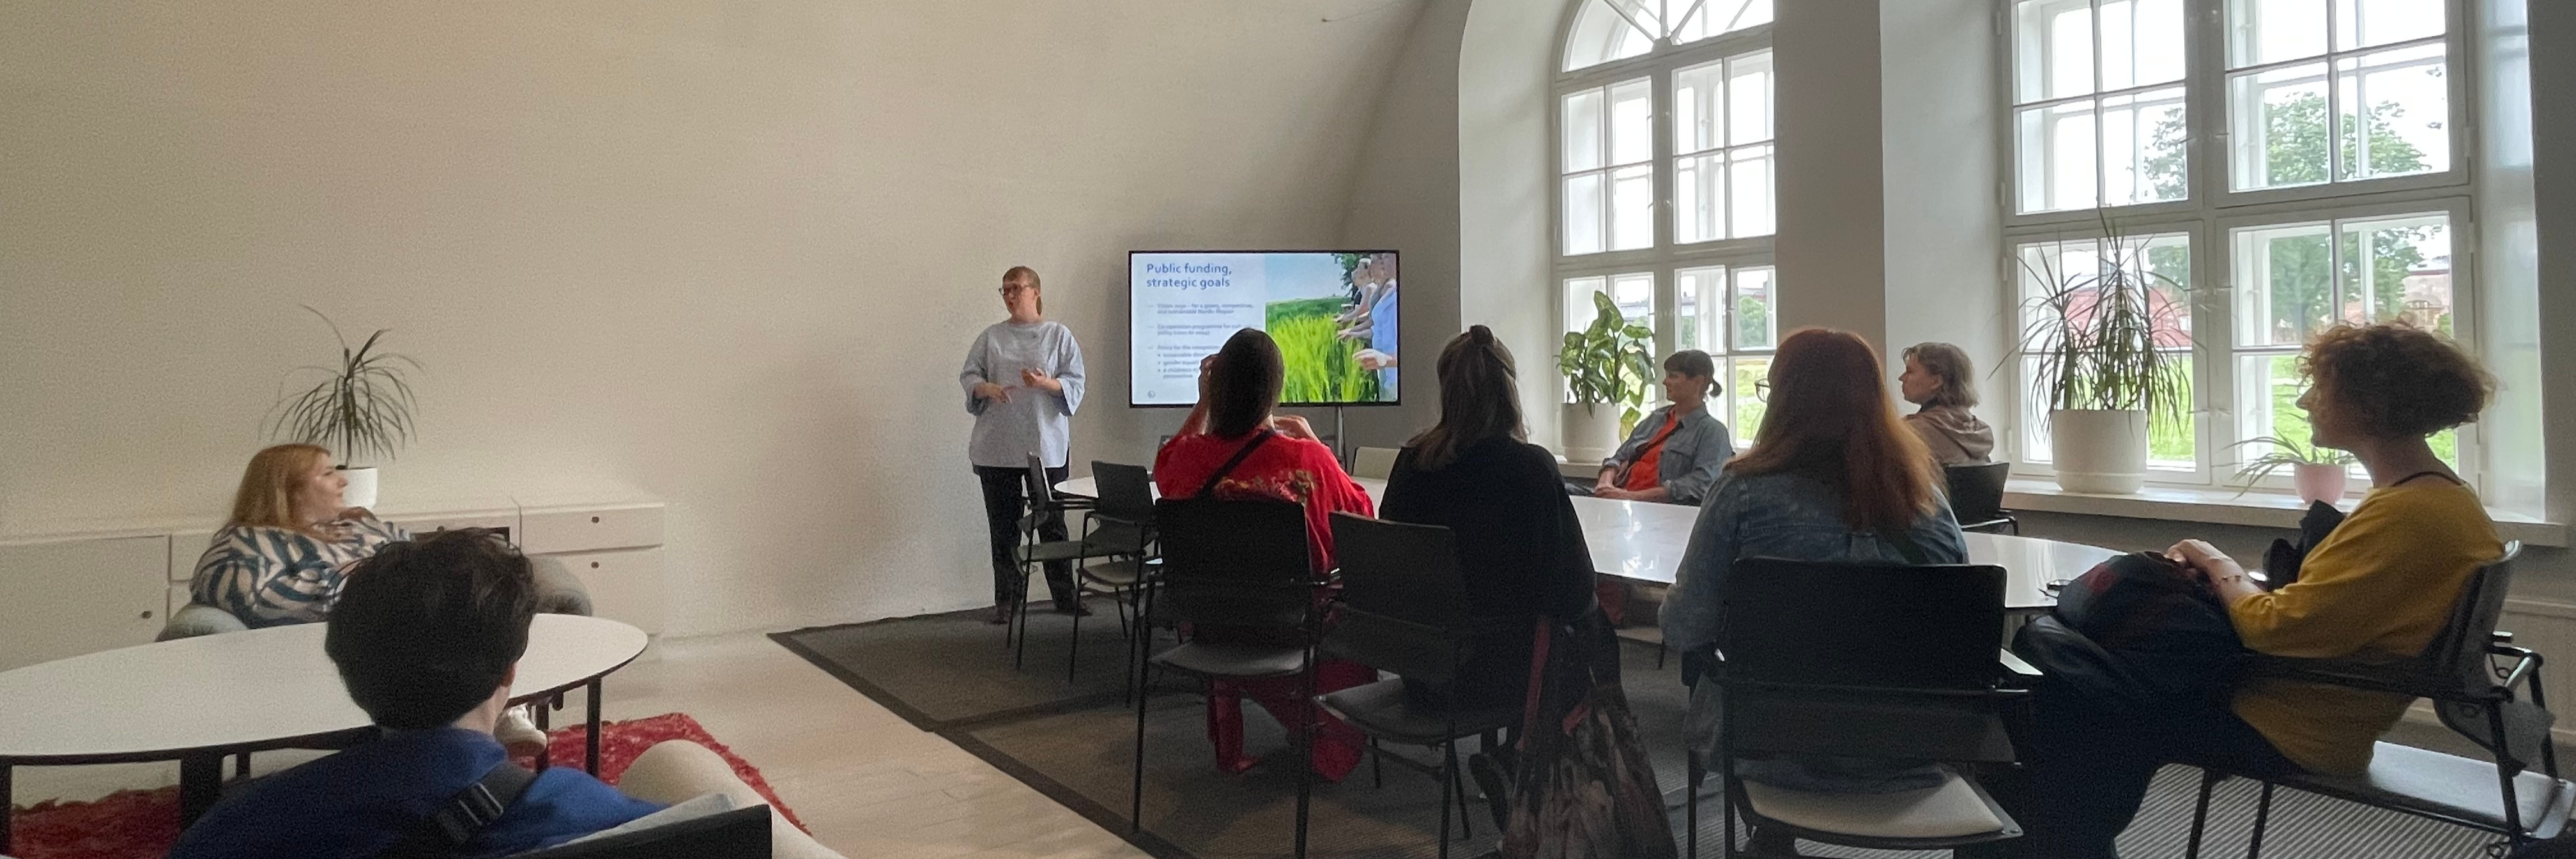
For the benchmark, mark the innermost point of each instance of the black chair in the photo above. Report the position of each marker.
(1867, 661)
(1125, 513)
(1403, 609)
(742, 833)
(2474, 695)
(1098, 539)
(1239, 566)
(1977, 497)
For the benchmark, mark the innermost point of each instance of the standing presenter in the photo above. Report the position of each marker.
(1023, 382)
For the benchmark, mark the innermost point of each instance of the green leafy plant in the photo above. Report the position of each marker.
(1607, 362)
(361, 408)
(2094, 335)
(2284, 453)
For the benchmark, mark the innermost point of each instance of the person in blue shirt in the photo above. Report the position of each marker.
(427, 636)
(1372, 317)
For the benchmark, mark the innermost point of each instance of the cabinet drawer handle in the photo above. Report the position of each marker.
(594, 520)
(147, 614)
(594, 565)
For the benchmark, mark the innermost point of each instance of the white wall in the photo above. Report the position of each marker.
(1404, 195)
(1505, 252)
(727, 253)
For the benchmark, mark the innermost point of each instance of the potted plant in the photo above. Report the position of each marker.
(2096, 341)
(1605, 364)
(2318, 473)
(359, 408)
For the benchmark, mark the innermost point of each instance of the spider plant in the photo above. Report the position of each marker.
(360, 408)
(1607, 362)
(2284, 453)
(2093, 334)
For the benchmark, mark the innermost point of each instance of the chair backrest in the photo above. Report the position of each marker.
(1866, 625)
(742, 833)
(1373, 462)
(1234, 563)
(1040, 492)
(1977, 491)
(2459, 654)
(1404, 606)
(1126, 492)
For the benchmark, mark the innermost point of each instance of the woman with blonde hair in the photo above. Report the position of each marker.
(283, 553)
(1023, 381)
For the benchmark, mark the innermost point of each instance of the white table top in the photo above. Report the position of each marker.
(238, 689)
(1644, 541)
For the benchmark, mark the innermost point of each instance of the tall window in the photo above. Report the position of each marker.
(2269, 167)
(1664, 180)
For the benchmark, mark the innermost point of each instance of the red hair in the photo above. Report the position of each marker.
(1830, 419)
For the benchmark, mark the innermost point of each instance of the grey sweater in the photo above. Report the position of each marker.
(1034, 420)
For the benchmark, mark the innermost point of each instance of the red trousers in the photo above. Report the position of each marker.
(1337, 745)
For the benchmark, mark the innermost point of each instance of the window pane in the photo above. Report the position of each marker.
(1601, 35)
(2163, 264)
(2142, 148)
(2142, 43)
(2278, 120)
(1748, 94)
(2056, 151)
(1635, 294)
(1579, 312)
(2363, 23)
(1699, 107)
(1583, 205)
(1750, 200)
(1717, 17)
(2171, 442)
(1632, 122)
(1632, 207)
(2053, 49)
(2282, 277)
(2270, 31)
(1583, 131)
(1700, 322)
(1756, 327)
(1646, 13)
(2034, 418)
(1699, 198)
(2396, 268)
(2395, 109)
(2267, 396)
(1749, 373)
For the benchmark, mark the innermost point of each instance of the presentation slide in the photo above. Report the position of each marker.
(1332, 313)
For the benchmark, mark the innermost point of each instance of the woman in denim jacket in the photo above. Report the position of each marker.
(1675, 453)
(1834, 475)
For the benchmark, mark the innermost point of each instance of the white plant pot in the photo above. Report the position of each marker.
(2101, 451)
(2320, 482)
(361, 491)
(1591, 434)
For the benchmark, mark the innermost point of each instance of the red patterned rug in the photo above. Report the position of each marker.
(142, 824)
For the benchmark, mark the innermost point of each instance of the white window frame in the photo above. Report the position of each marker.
(1664, 259)
(2213, 209)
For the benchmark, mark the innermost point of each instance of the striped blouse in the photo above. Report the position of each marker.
(273, 576)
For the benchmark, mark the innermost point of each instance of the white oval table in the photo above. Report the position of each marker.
(198, 700)
(1643, 541)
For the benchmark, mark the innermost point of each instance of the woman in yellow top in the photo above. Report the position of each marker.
(2380, 586)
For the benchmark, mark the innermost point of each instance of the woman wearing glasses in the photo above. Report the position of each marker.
(1023, 382)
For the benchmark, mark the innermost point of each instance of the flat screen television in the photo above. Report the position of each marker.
(1333, 314)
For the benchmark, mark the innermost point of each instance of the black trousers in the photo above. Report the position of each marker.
(2086, 769)
(1005, 501)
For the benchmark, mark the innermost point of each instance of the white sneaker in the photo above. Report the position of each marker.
(519, 734)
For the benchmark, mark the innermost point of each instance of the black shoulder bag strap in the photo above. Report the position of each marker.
(447, 830)
(1239, 457)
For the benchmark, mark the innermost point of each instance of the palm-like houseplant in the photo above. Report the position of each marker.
(2318, 473)
(2096, 340)
(1606, 363)
(360, 408)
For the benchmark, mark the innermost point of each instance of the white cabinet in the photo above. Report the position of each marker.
(624, 584)
(554, 530)
(68, 597)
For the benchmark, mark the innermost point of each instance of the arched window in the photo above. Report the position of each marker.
(1664, 193)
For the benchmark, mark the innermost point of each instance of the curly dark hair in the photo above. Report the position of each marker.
(2398, 381)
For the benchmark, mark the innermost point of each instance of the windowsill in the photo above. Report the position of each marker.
(2226, 507)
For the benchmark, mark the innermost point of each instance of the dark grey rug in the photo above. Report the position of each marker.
(1073, 741)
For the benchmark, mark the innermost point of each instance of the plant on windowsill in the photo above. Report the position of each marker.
(359, 408)
(2318, 473)
(1605, 364)
(2096, 343)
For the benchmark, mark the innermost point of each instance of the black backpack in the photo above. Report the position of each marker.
(2139, 634)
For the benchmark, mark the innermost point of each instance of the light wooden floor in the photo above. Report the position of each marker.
(866, 782)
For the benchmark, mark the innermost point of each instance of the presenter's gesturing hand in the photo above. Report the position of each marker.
(1041, 381)
(990, 391)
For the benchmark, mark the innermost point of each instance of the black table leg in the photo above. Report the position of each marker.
(201, 782)
(545, 755)
(590, 741)
(7, 810)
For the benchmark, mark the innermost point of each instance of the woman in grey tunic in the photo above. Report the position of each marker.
(1023, 382)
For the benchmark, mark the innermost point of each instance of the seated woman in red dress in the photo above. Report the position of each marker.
(1238, 388)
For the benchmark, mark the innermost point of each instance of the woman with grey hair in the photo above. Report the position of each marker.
(1940, 378)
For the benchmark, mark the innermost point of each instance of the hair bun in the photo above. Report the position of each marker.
(1482, 335)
